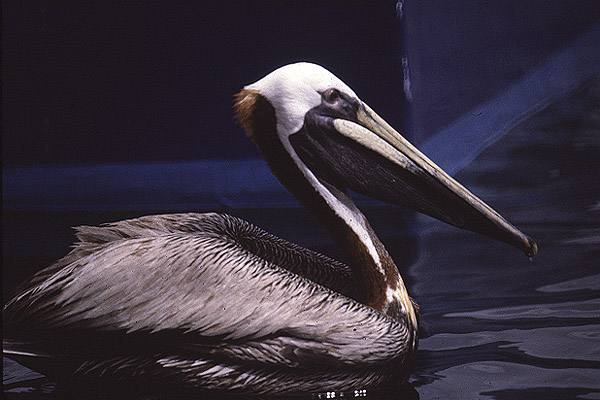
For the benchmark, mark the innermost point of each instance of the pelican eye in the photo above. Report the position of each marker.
(330, 95)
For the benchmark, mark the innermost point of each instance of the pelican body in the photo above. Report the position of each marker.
(211, 302)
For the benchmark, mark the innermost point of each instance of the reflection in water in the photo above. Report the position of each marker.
(564, 310)
(494, 325)
(591, 282)
(21, 383)
(500, 327)
(497, 379)
(543, 343)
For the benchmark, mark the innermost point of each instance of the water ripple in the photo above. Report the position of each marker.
(581, 343)
(572, 309)
(494, 377)
(588, 282)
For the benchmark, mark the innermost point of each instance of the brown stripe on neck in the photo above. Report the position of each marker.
(257, 117)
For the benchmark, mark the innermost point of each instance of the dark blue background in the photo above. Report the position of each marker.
(89, 82)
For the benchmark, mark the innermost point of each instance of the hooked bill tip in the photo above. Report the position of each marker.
(531, 248)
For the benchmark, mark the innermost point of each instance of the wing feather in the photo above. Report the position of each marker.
(181, 273)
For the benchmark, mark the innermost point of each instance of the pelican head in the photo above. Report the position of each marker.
(338, 141)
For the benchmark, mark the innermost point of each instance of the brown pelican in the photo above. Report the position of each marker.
(208, 301)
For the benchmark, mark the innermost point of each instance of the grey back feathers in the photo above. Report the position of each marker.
(234, 298)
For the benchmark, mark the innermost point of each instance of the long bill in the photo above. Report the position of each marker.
(409, 178)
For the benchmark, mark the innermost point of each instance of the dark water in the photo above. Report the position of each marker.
(494, 324)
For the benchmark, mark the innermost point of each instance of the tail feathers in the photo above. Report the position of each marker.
(19, 348)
